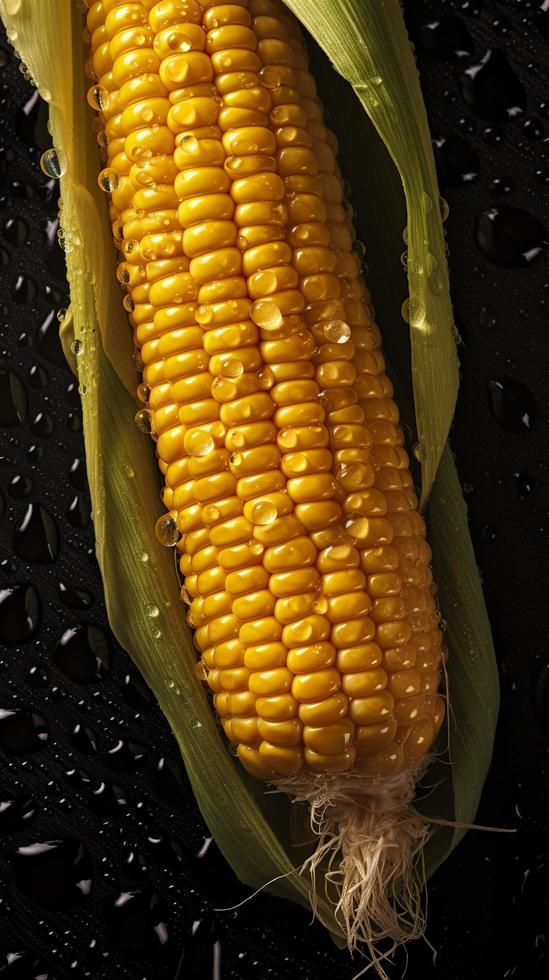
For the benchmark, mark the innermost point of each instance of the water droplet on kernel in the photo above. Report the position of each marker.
(198, 442)
(203, 314)
(143, 392)
(266, 315)
(263, 512)
(232, 368)
(266, 378)
(336, 331)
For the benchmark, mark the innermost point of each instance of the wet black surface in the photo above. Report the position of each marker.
(108, 870)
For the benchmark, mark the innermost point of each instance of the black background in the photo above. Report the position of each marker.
(88, 761)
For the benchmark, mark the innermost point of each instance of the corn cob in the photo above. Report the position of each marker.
(287, 485)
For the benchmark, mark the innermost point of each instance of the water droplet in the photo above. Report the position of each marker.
(137, 923)
(446, 37)
(43, 425)
(513, 405)
(22, 731)
(31, 124)
(25, 290)
(78, 475)
(73, 597)
(108, 180)
(13, 399)
(263, 512)
(171, 782)
(84, 740)
(38, 376)
(487, 317)
(166, 530)
(78, 512)
(20, 487)
(143, 392)
(266, 315)
(57, 874)
(492, 89)
(136, 691)
(266, 378)
(98, 98)
(533, 128)
(198, 442)
(36, 539)
(414, 312)
(144, 420)
(510, 237)
(457, 162)
(336, 331)
(418, 451)
(502, 185)
(16, 231)
(53, 163)
(232, 368)
(16, 812)
(49, 343)
(20, 611)
(83, 653)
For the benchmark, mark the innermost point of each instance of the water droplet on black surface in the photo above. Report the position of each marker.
(31, 123)
(510, 237)
(72, 395)
(136, 692)
(49, 344)
(25, 966)
(457, 162)
(7, 156)
(83, 740)
(38, 676)
(137, 923)
(74, 598)
(37, 538)
(38, 376)
(22, 731)
(13, 399)
(168, 852)
(83, 653)
(172, 782)
(43, 425)
(125, 755)
(56, 874)
(4, 257)
(16, 812)
(513, 405)
(533, 128)
(541, 20)
(487, 318)
(542, 174)
(502, 185)
(78, 475)
(16, 231)
(74, 422)
(24, 290)
(101, 797)
(203, 951)
(525, 484)
(446, 37)
(492, 89)
(79, 511)
(493, 135)
(19, 613)
(35, 454)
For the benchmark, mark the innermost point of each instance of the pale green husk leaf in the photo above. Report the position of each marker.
(366, 41)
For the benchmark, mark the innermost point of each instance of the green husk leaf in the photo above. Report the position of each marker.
(365, 41)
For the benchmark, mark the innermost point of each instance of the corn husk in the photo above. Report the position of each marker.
(386, 133)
